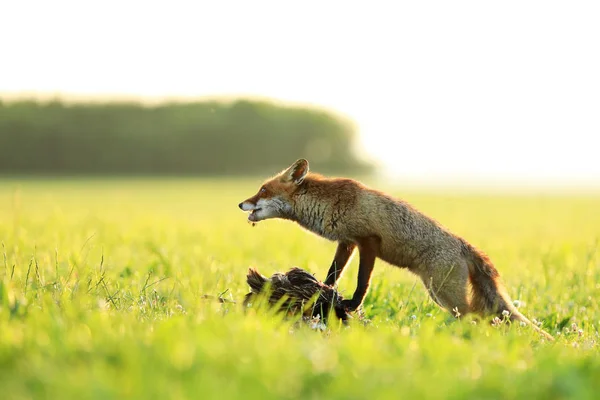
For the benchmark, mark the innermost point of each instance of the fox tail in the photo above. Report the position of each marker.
(488, 293)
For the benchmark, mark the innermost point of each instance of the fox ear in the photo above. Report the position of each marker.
(297, 171)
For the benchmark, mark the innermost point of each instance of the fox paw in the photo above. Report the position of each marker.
(350, 305)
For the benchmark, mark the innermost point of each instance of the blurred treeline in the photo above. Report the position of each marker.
(201, 138)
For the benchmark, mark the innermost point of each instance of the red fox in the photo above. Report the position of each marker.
(380, 226)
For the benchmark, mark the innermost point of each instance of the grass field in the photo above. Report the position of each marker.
(102, 285)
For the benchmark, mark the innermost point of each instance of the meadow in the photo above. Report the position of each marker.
(106, 285)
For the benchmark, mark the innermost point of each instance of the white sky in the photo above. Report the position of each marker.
(439, 89)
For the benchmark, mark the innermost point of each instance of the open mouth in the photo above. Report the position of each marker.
(251, 216)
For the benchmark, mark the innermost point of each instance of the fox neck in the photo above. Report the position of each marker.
(308, 210)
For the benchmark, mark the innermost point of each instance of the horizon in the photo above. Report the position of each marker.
(437, 94)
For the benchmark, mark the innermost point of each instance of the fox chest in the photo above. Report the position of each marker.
(323, 225)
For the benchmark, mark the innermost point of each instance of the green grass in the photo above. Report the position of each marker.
(102, 284)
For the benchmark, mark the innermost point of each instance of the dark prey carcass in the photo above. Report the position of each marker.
(299, 288)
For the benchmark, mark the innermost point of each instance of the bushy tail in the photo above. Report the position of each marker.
(489, 296)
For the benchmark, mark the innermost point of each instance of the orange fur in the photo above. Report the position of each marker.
(380, 226)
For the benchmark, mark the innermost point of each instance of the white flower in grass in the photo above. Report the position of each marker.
(518, 303)
(574, 326)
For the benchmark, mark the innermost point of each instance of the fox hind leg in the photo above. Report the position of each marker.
(449, 288)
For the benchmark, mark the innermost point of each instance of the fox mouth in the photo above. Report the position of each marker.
(252, 215)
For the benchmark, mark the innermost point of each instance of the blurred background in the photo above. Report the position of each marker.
(440, 93)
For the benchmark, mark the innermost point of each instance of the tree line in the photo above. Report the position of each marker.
(240, 137)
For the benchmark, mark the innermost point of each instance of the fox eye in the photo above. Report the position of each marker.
(263, 189)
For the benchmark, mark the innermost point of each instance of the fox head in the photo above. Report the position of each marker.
(275, 197)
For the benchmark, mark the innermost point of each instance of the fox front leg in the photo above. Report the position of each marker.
(340, 260)
(368, 249)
